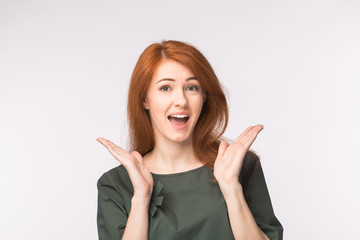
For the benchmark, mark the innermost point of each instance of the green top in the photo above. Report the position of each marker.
(184, 205)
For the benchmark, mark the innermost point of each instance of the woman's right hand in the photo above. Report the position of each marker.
(140, 176)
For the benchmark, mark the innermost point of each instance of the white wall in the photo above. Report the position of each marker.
(292, 66)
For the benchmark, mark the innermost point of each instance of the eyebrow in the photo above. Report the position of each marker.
(171, 79)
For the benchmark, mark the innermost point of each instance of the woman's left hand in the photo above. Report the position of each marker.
(230, 158)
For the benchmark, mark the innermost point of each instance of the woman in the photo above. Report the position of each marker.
(181, 181)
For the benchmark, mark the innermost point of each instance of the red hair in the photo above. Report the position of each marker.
(214, 116)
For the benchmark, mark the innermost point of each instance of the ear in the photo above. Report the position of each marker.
(146, 104)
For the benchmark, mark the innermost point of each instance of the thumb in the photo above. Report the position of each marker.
(140, 160)
(138, 157)
(222, 147)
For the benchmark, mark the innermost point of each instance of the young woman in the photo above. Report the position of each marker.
(181, 180)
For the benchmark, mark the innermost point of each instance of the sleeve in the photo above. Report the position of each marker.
(259, 202)
(111, 212)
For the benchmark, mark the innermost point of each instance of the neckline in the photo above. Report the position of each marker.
(178, 173)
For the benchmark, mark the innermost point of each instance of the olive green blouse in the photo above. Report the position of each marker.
(184, 205)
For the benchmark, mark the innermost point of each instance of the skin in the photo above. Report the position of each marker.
(227, 168)
(173, 152)
(173, 89)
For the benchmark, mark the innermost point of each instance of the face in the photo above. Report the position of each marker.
(174, 100)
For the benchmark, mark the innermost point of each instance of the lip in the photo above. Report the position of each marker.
(177, 126)
(179, 113)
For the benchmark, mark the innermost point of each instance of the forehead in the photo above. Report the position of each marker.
(171, 69)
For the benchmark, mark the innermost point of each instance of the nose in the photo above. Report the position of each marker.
(180, 99)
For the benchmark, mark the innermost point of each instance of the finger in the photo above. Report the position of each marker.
(243, 134)
(222, 147)
(249, 131)
(254, 131)
(112, 146)
(120, 154)
(107, 143)
(250, 137)
(101, 140)
(117, 148)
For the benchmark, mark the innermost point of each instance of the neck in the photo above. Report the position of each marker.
(169, 157)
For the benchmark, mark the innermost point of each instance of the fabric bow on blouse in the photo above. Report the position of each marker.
(156, 200)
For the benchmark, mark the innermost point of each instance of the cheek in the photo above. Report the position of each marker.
(197, 105)
(157, 107)
(158, 104)
(153, 100)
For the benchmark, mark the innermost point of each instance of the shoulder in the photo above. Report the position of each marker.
(250, 164)
(114, 191)
(251, 160)
(115, 176)
(116, 185)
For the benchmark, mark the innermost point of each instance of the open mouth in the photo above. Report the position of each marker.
(178, 120)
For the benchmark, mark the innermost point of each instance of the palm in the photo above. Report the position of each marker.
(229, 161)
(140, 176)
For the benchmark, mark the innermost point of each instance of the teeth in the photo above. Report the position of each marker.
(180, 116)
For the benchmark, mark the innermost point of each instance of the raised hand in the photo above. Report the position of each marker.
(140, 176)
(230, 158)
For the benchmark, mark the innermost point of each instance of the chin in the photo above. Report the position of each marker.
(180, 139)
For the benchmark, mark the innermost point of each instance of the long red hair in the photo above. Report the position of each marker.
(214, 116)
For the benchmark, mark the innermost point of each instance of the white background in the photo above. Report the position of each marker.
(65, 66)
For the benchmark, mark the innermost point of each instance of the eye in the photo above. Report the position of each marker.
(192, 88)
(165, 88)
